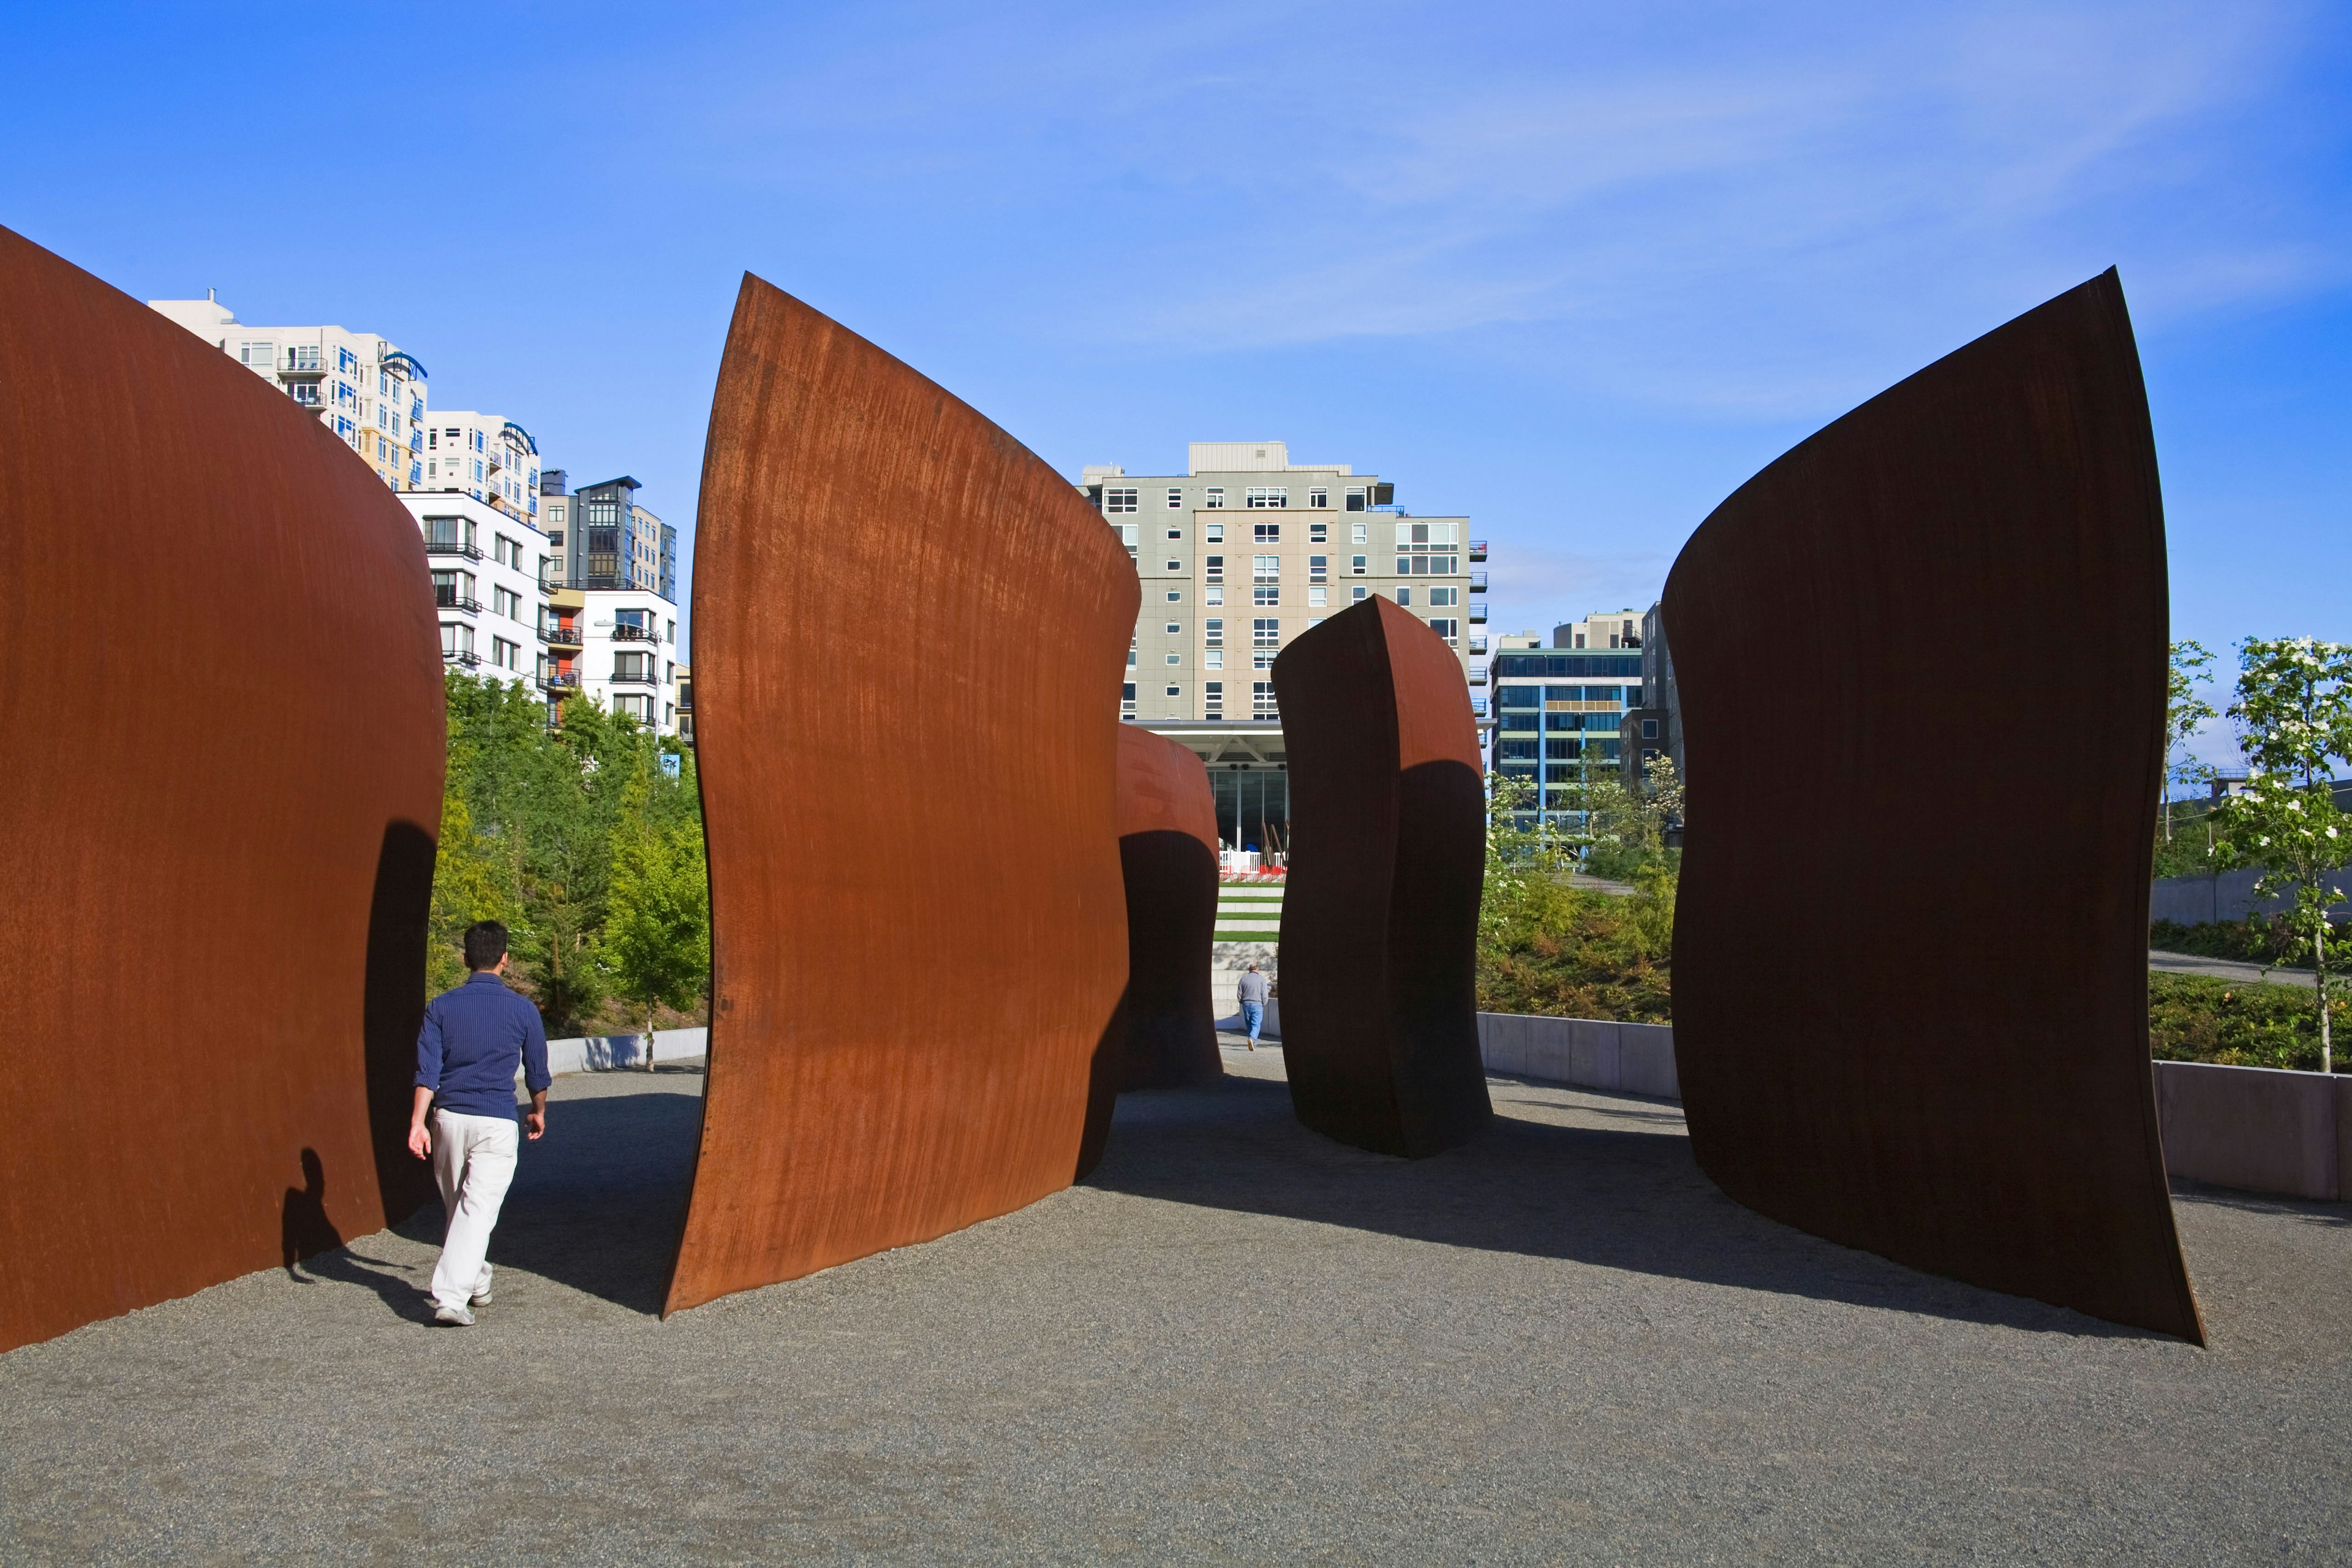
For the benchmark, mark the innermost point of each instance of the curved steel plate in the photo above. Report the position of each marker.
(1379, 918)
(225, 684)
(909, 638)
(1168, 850)
(1925, 1033)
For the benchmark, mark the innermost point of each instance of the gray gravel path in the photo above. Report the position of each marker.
(2231, 969)
(1237, 1343)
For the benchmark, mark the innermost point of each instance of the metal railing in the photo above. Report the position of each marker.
(1477, 582)
(1477, 614)
(634, 679)
(452, 547)
(466, 656)
(563, 636)
(624, 632)
(1477, 549)
(450, 599)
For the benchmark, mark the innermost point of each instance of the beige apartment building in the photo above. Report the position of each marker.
(361, 386)
(1244, 551)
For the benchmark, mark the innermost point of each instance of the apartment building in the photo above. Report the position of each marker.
(1246, 550)
(485, 456)
(1560, 713)
(612, 594)
(360, 384)
(486, 566)
(1653, 729)
(604, 541)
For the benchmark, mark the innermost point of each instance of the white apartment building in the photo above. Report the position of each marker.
(618, 648)
(485, 456)
(361, 386)
(486, 566)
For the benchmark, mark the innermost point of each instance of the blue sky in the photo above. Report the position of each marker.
(1574, 270)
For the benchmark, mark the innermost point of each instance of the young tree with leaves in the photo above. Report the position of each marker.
(2293, 711)
(2185, 713)
(657, 937)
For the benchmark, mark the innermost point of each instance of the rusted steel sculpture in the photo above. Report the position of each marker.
(220, 847)
(1379, 920)
(1930, 1040)
(1168, 848)
(920, 927)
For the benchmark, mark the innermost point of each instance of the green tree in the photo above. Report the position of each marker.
(468, 886)
(658, 939)
(2293, 711)
(2184, 715)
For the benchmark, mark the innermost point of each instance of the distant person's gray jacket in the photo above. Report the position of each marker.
(1251, 988)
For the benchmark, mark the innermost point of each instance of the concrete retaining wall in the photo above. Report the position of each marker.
(604, 1053)
(2257, 1128)
(2194, 900)
(1630, 1058)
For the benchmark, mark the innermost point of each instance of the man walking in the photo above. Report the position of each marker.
(1252, 989)
(473, 1040)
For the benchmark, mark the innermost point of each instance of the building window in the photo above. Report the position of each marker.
(1175, 533)
(1175, 595)
(303, 357)
(1214, 658)
(1212, 697)
(1356, 503)
(1215, 593)
(1174, 628)
(1268, 532)
(1215, 533)
(1318, 497)
(1265, 568)
(1119, 501)
(633, 667)
(1131, 659)
(1318, 568)
(1266, 631)
(1404, 595)
(305, 392)
(1215, 499)
(1265, 593)
(1447, 629)
(1319, 533)
(1357, 597)
(1445, 595)
(1356, 569)
(1175, 566)
(260, 356)
(1356, 533)
(457, 642)
(1259, 496)
(1213, 567)
(1174, 690)
(1262, 699)
(1126, 695)
(1174, 658)
(1175, 499)
(506, 654)
(1213, 631)
(1316, 598)
(507, 603)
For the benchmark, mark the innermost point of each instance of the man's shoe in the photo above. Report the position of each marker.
(480, 1298)
(453, 1317)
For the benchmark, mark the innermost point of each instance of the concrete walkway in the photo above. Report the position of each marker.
(1238, 1343)
(2231, 969)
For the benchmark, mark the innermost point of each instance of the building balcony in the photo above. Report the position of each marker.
(1477, 614)
(626, 633)
(464, 657)
(1477, 582)
(1477, 549)
(1477, 642)
(450, 599)
(645, 680)
(566, 680)
(452, 547)
(1477, 675)
(560, 637)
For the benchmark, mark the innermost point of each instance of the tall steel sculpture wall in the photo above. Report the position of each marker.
(1168, 849)
(909, 638)
(1379, 920)
(1927, 1034)
(223, 697)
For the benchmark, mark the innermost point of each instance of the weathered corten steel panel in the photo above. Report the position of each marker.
(222, 687)
(1168, 848)
(1379, 920)
(1925, 1033)
(919, 928)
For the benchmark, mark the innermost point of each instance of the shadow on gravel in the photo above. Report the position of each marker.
(1629, 1198)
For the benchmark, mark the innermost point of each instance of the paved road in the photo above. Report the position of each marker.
(1238, 1343)
(2229, 969)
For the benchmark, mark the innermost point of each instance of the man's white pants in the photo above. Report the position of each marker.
(474, 1160)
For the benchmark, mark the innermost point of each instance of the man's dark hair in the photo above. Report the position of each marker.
(486, 944)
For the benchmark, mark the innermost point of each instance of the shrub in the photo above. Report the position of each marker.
(1572, 953)
(2193, 1018)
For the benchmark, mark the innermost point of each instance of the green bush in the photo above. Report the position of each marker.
(2193, 1018)
(1572, 953)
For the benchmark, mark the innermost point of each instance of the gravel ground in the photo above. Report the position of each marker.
(1237, 1343)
